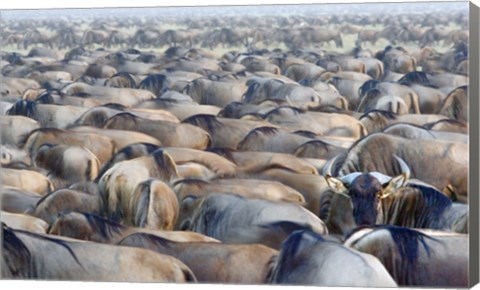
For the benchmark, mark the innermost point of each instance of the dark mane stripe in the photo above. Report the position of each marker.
(296, 111)
(450, 121)
(415, 77)
(370, 84)
(115, 106)
(306, 133)
(265, 130)
(105, 227)
(156, 83)
(156, 240)
(166, 166)
(223, 152)
(127, 76)
(434, 206)
(291, 246)
(16, 255)
(53, 240)
(124, 116)
(128, 152)
(387, 114)
(408, 243)
(208, 122)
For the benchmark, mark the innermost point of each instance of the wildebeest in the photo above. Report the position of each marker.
(168, 133)
(101, 146)
(225, 132)
(92, 227)
(47, 115)
(153, 205)
(306, 258)
(26, 179)
(412, 131)
(443, 165)
(375, 198)
(14, 127)
(217, 93)
(250, 188)
(65, 200)
(16, 200)
(416, 257)
(34, 256)
(220, 263)
(70, 163)
(119, 182)
(377, 120)
(23, 222)
(235, 219)
(455, 104)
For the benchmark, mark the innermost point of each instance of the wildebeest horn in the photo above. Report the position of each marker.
(327, 169)
(349, 178)
(403, 166)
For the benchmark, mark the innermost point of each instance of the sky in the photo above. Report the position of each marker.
(267, 8)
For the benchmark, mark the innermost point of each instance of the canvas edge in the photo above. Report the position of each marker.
(474, 129)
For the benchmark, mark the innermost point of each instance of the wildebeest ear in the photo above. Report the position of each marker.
(394, 184)
(336, 184)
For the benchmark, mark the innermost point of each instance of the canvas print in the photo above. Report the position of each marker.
(320, 144)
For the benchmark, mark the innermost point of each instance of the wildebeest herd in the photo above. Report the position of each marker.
(134, 151)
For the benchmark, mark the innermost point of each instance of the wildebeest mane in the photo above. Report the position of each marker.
(124, 117)
(409, 125)
(370, 84)
(125, 75)
(165, 163)
(305, 133)
(203, 121)
(223, 152)
(129, 153)
(408, 242)
(252, 87)
(327, 108)
(105, 227)
(266, 130)
(296, 111)
(287, 227)
(114, 106)
(415, 77)
(434, 206)
(44, 238)
(16, 255)
(156, 83)
(153, 239)
(23, 108)
(429, 126)
(291, 246)
(387, 114)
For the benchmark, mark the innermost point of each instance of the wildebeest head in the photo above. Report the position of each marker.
(366, 190)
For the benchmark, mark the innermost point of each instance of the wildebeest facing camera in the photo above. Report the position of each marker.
(298, 144)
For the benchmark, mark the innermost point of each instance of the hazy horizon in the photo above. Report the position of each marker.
(290, 9)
